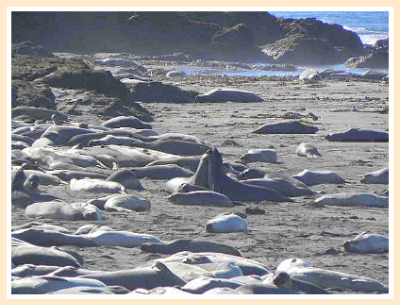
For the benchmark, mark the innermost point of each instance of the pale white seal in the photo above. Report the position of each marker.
(307, 150)
(327, 279)
(377, 177)
(367, 243)
(353, 199)
(311, 178)
(226, 223)
(228, 95)
(121, 238)
(260, 155)
(127, 202)
(95, 185)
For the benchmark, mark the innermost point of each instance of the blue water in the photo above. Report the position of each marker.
(369, 25)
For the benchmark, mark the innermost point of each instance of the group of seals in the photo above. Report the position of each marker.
(210, 174)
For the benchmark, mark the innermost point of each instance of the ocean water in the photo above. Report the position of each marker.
(369, 25)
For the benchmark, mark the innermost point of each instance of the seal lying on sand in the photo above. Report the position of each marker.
(47, 283)
(281, 185)
(202, 198)
(307, 150)
(311, 178)
(179, 245)
(148, 278)
(287, 127)
(353, 199)
(226, 223)
(171, 146)
(367, 243)
(260, 155)
(228, 95)
(378, 177)
(327, 279)
(47, 238)
(359, 135)
(126, 121)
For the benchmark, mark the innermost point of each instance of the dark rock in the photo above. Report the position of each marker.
(31, 67)
(302, 49)
(29, 48)
(335, 34)
(26, 93)
(376, 59)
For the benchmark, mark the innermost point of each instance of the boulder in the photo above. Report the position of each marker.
(30, 48)
(303, 49)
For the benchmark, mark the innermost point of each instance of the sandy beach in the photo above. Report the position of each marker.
(286, 230)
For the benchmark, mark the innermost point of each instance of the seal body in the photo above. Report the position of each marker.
(359, 135)
(367, 243)
(307, 150)
(260, 155)
(311, 178)
(202, 198)
(228, 95)
(287, 127)
(378, 177)
(226, 224)
(353, 199)
(188, 245)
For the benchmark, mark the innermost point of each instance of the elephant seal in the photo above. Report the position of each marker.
(67, 175)
(282, 279)
(260, 155)
(170, 146)
(157, 276)
(121, 238)
(202, 198)
(326, 279)
(43, 178)
(179, 245)
(367, 243)
(211, 174)
(85, 290)
(53, 210)
(89, 211)
(283, 186)
(353, 199)
(377, 177)
(126, 121)
(307, 150)
(221, 95)
(46, 283)
(262, 288)
(311, 178)
(309, 75)
(226, 224)
(175, 73)
(47, 238)
(167, 171)
(126, 178)
(204, 259)
(287, 127)
(202, 284)
(62, 134)
(39, 225)
(126, 203)
(95, 185)
(359, 135)
(29, 254)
